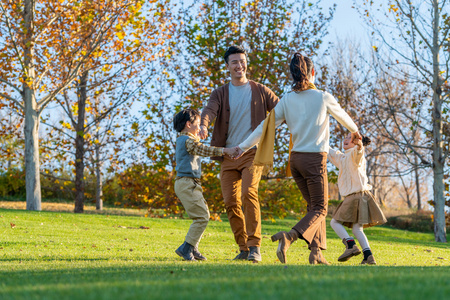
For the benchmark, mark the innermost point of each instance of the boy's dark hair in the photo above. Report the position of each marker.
(366, 140)
(233, 50)
(180, 119)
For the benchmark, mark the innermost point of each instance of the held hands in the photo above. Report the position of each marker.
(234, 152)
(203, 132)
(356, 137)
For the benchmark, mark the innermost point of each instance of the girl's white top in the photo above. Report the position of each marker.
(352, 176)
(307, 116)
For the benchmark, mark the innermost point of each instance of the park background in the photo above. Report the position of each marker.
(87, 94)
(89, 90)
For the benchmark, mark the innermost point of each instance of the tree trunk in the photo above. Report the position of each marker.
(79, 144)
(99, 187)
(31, 130)
(32, 175)
(416, 173)
(438, 158)
(408, 197)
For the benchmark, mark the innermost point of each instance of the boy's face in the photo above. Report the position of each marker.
(348, 143)
(237, 65)
(194, 127)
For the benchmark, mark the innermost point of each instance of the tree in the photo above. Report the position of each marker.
(415, 34)
(45, 46)
(111, 78)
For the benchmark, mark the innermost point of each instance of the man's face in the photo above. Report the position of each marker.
(237, 65)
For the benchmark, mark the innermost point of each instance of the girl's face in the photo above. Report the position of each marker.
(348, 144)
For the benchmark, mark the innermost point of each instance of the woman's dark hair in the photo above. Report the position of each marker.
(180, 119)
(233, 50)
(301, 67)
(366, 140)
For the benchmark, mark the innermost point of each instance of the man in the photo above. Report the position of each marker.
(238, 107)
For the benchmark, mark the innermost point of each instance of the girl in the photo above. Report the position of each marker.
(358, 209)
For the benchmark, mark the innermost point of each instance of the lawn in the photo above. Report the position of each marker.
(60, 255)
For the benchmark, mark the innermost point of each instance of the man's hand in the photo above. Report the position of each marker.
(203, 132)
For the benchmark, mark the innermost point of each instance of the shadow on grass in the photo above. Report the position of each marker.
(226, 281)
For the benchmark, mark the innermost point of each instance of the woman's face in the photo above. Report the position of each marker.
(348, 143)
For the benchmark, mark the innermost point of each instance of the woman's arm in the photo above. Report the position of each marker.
(254, 138)
(339, 114)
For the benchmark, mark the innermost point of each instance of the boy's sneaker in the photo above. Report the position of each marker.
(369, 261)
(185, 251)
(349, 253)
(243, 255)
(197, 254)
(255, 254)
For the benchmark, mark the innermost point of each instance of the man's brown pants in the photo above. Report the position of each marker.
(310, 173)
(240, 193)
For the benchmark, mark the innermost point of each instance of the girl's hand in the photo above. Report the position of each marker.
(358, 143)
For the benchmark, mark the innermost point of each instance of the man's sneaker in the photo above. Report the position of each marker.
(369, 261)
(197, 254)
(242, 256)
(255, 254)
(185, 251)
(349, 253)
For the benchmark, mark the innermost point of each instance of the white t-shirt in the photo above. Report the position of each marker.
(240, 126)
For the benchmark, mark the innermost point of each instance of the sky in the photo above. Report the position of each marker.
(346, 23)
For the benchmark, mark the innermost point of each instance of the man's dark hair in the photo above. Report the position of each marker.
(180, 119)
(233, 50)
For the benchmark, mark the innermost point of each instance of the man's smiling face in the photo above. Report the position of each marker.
(237, 65)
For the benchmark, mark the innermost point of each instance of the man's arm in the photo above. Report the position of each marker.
(271, 99)
(209, 113)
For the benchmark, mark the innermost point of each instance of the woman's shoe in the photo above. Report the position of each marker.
(285, 240)
(316, 257)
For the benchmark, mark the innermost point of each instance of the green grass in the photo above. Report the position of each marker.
(50, 255)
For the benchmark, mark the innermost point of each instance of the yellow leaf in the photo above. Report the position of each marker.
(120, 35)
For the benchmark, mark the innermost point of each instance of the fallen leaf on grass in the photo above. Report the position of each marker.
(12, 225)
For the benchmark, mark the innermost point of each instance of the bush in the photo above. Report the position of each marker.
(12, 183)
(422, 221)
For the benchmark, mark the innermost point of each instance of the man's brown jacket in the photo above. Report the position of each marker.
(263, 101)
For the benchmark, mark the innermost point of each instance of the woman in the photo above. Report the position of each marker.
(306, 112)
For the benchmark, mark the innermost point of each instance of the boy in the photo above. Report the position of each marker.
(187, 183)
